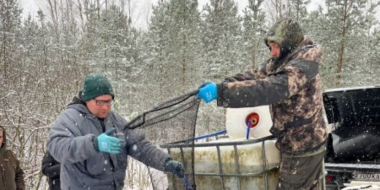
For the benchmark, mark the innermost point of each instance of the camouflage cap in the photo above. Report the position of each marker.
(285, 32)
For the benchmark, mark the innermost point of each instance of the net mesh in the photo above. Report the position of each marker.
(171, 122)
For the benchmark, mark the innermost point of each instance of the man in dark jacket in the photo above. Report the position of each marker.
(89, 141)
(11, 174)
(51, 168)
(290, 83)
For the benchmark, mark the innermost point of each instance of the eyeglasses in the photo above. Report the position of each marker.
(104, 102)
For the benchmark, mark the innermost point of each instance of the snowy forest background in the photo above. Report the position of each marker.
(44, 60)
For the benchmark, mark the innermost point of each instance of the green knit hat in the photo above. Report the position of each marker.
(96, 85)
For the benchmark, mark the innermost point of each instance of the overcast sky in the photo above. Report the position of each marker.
(141, 9)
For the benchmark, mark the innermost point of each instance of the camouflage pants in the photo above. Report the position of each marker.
(300, 173)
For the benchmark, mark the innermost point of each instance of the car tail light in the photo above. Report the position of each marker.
(330, 178)
(253, 118)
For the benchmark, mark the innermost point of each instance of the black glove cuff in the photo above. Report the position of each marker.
(167, 160)
(166, 163)
(95, 143)
(220, 89)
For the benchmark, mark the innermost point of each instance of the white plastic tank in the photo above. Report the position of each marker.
(237, 120)
(250, 160)
(251, 156)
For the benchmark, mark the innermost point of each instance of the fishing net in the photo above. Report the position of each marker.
(173, 121)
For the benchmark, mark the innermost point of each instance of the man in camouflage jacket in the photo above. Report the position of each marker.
(290, 83)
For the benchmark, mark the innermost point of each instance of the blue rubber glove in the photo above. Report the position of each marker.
(208, 92)
(106, 143)
(175, 168)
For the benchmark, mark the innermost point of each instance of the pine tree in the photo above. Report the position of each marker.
(343, 32)
(253, 33)
(297, 9)
(221, 37)
(10, 23)
(172, 46)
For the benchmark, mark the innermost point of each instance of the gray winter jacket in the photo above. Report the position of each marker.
(82, 167)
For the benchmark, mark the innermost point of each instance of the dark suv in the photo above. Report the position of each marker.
(353, 146)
